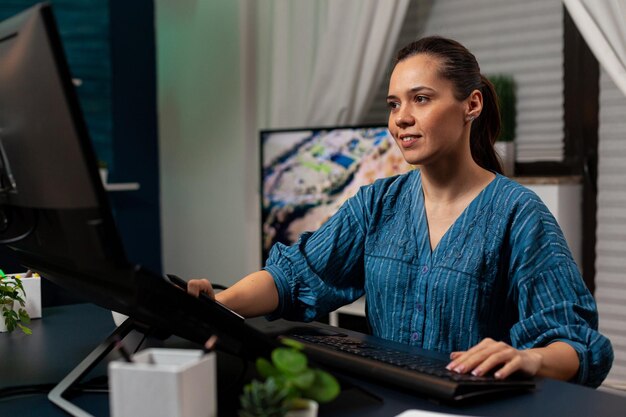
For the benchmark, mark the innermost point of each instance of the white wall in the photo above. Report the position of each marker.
(204, 148)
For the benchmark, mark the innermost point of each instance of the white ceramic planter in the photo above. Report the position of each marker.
(506, 151)
(310, 411)
(164, 383)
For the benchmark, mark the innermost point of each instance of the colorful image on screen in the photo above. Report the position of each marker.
(308, 174)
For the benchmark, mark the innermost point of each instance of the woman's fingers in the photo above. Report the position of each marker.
(466, 361)
(489, 355)
(496, 359)
(197, 286)
(510, 367)
(455, 355)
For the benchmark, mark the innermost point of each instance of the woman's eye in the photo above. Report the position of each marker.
(393, 105)
(421, 99)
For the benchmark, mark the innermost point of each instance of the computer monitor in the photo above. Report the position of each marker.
(54, 214)
(53, 210)
(308, 173)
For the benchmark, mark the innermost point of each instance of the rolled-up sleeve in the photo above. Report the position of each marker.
(556, 306)
(553, 302)
(323, 270)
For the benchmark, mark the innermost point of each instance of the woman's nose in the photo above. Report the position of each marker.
(404, 118)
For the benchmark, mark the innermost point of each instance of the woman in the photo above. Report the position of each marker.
(452, 257)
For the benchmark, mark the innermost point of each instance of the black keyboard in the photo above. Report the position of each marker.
(420, 374)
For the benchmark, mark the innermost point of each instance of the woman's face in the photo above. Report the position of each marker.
(428, 123)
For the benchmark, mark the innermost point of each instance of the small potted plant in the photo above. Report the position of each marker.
(291, 388)
(12, 292)
(506, 90)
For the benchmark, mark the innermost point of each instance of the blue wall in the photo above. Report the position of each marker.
(135, 137)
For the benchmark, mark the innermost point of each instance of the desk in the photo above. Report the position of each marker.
(67, 334)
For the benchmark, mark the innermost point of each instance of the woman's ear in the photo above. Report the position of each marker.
(474, 104)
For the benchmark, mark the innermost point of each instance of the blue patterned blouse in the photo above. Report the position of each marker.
(503, 270)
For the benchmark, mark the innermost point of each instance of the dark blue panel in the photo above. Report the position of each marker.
(84, 27)
(135, 139)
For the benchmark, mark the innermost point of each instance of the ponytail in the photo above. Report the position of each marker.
(486, 129)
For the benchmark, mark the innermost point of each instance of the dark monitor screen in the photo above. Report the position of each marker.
(307, 174)
(54, 214)
(51, 200)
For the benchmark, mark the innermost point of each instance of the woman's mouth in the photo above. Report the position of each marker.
(408, 140)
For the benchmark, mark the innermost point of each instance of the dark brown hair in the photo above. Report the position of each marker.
(460, 67)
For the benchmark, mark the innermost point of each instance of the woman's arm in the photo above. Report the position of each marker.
(558, 360)
(557, 316)
(254, 295)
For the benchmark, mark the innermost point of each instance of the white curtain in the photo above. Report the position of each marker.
(603, 25)
(322, 59)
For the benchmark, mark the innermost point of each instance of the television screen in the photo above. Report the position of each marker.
(307, 174)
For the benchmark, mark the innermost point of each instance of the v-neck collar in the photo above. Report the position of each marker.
(467, 215)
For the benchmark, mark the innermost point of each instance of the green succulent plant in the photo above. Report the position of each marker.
(263, 399)
(11, 292)
(288, 381)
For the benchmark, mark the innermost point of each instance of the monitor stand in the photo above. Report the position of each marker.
(351, 393)
(56, 395)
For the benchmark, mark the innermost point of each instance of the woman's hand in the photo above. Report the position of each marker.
(490, 355)
(254, 295)
(197, 286)
(558, 360)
